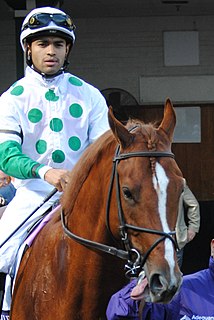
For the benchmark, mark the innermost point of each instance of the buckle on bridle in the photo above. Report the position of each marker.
(133, 266)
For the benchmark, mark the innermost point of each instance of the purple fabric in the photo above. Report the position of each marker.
(33, 235)
(121, 305)
(194, 301)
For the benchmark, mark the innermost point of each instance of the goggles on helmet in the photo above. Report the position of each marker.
(40, 20)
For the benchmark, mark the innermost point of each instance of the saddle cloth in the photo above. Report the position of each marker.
(31, 237)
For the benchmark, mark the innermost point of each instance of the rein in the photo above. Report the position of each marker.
(92, 244)
(135, 260)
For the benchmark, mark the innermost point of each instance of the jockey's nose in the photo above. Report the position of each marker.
(51, 50)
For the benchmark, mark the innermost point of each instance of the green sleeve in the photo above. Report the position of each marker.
(16, 164)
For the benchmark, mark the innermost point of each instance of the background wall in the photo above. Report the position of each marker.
(115, 52)
(7, 47)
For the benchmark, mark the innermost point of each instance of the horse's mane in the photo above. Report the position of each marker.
(148, 132)
(94, 153)
(81, 170)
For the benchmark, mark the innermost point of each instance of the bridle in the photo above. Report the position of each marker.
(135, 261)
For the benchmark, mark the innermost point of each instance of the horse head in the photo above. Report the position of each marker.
(149, 186)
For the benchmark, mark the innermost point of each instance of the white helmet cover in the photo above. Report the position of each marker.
(27, 31)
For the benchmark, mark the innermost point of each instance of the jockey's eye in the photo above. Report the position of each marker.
(127, 194)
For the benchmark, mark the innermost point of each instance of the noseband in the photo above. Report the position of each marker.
(135, 260)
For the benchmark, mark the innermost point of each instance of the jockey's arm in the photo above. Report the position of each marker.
(17, 164)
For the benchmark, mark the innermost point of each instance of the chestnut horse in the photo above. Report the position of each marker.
(118, 204)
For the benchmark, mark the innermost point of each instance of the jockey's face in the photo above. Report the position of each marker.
(48, 54)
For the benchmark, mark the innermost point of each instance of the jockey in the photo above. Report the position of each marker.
(47, 119)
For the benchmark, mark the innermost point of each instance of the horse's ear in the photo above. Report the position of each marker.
(169, 120)
(122, 135)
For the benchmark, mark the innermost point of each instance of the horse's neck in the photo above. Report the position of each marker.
(89, 211)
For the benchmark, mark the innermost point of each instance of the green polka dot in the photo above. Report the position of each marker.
(51, 96)
(75, 81)
(35, 115)
(75, 110)
(17, 91)
(41, 146)
(56, 124)
(74, 143)
(58, 156)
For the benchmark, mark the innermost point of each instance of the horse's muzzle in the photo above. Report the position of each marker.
(162, 290)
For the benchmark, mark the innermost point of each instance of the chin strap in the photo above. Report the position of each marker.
(48, 76)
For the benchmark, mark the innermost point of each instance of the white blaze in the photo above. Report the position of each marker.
(160, 182)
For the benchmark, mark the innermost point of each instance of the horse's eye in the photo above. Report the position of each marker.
(127, 194)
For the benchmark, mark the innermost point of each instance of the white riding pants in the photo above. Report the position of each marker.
(26, 200)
